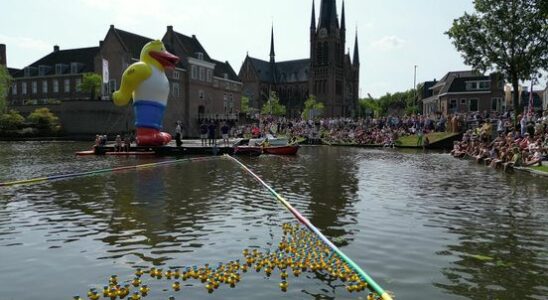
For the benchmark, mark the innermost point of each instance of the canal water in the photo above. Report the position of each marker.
(424, 225)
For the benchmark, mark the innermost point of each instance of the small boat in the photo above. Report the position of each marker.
(85, 153)
(248, 150)
(110, 153)
(282, 150)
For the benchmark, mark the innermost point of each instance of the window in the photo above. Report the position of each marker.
(484, 85)
(42, 70)
(175, 90)
(496, 104)
(34, 87)
(453, 105)
(112, 86)
(194, 70)
(45, 87)
(67, 85)
(471, 85)
(56, 86)
(59, 69)
(462, 101)
(78, 83)
(202, 74)
(338, 87)
(14, 89)
(175, 75)
(74, 68)
(201, 94)
(23, 88)
(209, 75)
(200, 55)
(225, 75)
(27, 72)
(473, 105)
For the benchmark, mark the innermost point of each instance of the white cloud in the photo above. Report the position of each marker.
(25, 43)
(389, 43)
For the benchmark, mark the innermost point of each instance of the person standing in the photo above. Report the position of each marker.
(211, 128)
(179, 134)
(203, 134)
(224, 132)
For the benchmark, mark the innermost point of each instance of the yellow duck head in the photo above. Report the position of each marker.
(155, 53)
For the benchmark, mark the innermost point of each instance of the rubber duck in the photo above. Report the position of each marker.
(209, 287)
(105, 291)
(296, 272)
(139, 272)
(94, 296)
(76, 298)
(136, 296)
(147, 82)
(152, 272)
(113, 279)
(168, 274)
(283, 275)
(284, 285)
(176, 286)
(123, 292)
(171, 298)
(136, 282)
(177, 274)
(144, 289)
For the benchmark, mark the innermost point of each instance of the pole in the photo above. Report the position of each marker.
(415, 88)
(374, 285)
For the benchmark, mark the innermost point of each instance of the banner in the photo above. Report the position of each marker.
(105, 71)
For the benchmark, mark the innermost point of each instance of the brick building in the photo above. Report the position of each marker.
(329, 73)
(201, 88)
(463, 92)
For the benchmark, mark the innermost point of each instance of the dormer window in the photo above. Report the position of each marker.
(59, 68)
(43, 70)
(74, 68)
(27, 72)
(200, 55)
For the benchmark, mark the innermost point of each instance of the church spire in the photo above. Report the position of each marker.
(313, 21)
(343, 19)
(328, 14)
(272, 54)
(356, 60)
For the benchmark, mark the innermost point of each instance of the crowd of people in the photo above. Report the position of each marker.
(499, 143)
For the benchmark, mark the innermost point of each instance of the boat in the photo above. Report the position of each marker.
(110, 153)
(248, 150)
(281, 150)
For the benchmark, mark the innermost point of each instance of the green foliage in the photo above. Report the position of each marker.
(11, 120)
(273, 106)
(398, 103)
(369, 107)
(312, 108)
(91, 83)
(510, 37)
(244, 106)
(5, 83)
(44, 119)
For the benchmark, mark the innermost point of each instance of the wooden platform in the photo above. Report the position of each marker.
(189, 147)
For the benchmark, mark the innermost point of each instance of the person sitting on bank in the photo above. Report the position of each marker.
(97, 141)
(127, 143)
(203, 134)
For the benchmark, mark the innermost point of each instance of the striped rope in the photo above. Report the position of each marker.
(102, 171)
(374, 285)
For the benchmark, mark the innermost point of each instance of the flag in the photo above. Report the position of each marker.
(531, 103)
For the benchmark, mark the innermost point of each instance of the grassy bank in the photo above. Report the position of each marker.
(541, 169)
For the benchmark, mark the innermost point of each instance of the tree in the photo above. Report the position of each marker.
(510, 37)
(91, 83)
(312, 108)
(11, 120)
(369, 107)
(244, 104)
(273, 106)
(44, 119)
(5, 84)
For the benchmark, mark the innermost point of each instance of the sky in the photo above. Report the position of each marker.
(394, 35)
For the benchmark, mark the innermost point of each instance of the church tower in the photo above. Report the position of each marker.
(327, 58)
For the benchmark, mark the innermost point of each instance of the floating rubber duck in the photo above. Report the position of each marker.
(144, 290)
(171, 298)
(105, 291)
(136, 282)
(147, 83)
(176, 286)
(76, 298)
(136, 296)
(139, 272)
(283, 286)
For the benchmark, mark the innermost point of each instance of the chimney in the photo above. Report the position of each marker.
(56, 48)
(169, 28)
(3, 59)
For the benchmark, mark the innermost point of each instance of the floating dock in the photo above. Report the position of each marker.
(189, 147)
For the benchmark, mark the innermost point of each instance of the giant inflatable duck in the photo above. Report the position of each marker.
(146, 82)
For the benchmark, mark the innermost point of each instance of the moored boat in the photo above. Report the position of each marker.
(282, 150)
(248, 150)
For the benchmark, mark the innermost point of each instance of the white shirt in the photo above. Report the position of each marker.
(155, 88)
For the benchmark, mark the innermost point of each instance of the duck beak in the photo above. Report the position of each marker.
(166, 59)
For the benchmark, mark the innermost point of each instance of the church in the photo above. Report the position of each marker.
(330, 74)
